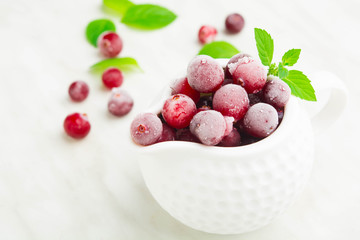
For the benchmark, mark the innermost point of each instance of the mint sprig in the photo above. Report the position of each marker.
(298, 82)
(118, 6)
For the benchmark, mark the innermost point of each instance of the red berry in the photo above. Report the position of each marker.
(112, 77)
(168, 134)
(78, 91)
(234, 59)
(249, 74)
(276, 92)
(260, 120)
(231, 140)
(178, 111)
(208, 126)
(205, 74)
(234, 23)
(110, 44)
(231, 100)
(181, 86)
(146, 129)
(184, 134)
(77, 125)
(120, 102)
(207, 34)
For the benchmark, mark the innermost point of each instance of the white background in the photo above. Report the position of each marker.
(52, 187)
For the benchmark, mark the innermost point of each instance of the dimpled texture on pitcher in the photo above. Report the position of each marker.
(230, 195)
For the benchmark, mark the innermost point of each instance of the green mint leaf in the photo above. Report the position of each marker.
(126, 64)
(219, 49)
(119, 6)
(300, 85)
(265, 46)
(148, 16)
(282, 71)
(95, 28)
(273, 70)
(291, 57)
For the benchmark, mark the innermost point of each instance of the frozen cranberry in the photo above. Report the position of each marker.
(260, 120)
(178, 111)
(120, 102)
(112, 77)
(233, 139)
(280, 114)
(146, 129)
(78, 91)
(184, 134)
(77, 125)
(207, 34)
(231, 100)
(276, 92)
(181, 86)
(234, 59)
(205, 74)
(234, 23)
(208, 126)
(229, 125)
(248, 73)
(168, 134)
(110, 44)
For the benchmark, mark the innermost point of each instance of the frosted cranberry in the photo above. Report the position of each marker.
(205, 74)
(229, 125)
(280, 114)
(234, 59)
(260, 120)
(276, 92)
(184, 134)
(233, 139)
(120, 102)
(178, 111)
(249, 74)
(110, 44)
(77, 125)
(207, 34)
(168, 134)
(146, 129)
(231, 100)
(78, 91)
(234, 23)
(208, 126)
(181, 86)
(112, 77)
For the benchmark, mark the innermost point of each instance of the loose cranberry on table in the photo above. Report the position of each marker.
(146, 129)
(110, 44)
(205, 74)
(276, 92)
(77, 125)
(112, 77)
(234, 23)
(178, 111)
(231, 100)
(207, 34)
(260, 120)
(78, 91)
(120, 102)
(181, 86)
(208, 126)
(249, 74)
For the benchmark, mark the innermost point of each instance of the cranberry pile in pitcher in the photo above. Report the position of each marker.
(214, 106)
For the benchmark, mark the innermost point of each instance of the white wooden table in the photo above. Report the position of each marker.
(54, 188)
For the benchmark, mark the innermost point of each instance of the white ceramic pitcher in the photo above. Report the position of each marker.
(239, 189)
